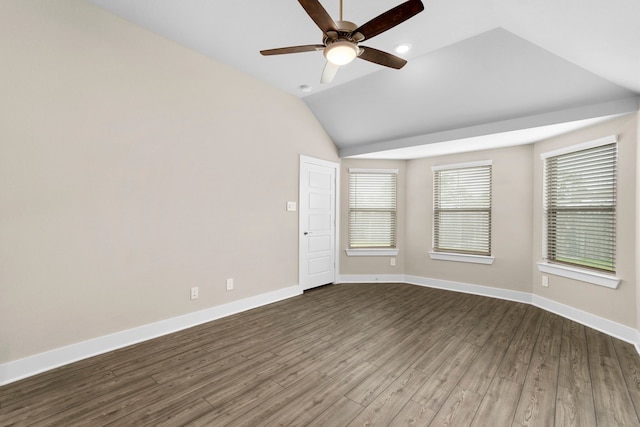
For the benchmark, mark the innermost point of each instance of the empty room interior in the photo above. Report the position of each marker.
(209, 217)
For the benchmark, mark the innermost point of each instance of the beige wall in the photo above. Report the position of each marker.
(371, 264)
(637, 215)
(511, 221)
(619, 304)
(516, 225)
(132, 169)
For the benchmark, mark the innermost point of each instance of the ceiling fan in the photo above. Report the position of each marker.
(340, 41)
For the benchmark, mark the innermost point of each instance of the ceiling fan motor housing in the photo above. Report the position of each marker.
(342, 45)
(345, 32)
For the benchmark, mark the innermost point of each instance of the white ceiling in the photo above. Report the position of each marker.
(477, 67)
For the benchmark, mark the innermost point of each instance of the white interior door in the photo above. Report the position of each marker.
(318, 212)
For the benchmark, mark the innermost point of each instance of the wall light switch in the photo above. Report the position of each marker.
(291, 206)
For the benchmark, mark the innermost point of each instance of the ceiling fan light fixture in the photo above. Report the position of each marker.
(341, 52)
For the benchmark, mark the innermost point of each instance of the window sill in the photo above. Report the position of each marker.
(371, 252)
(474, 259)
(583, 275)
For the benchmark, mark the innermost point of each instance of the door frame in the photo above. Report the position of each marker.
(336, 218)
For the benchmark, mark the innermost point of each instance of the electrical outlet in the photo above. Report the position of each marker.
(393, 262)
(230, 284)
(195, 292)
(545, 281)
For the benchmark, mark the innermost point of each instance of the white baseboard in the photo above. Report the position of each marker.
(32, 365)
(467, 288)
(614, 329)
(372, 278)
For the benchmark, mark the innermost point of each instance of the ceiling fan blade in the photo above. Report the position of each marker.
(329, 72)
(383, 58)
(319, 15)
(390, 18)
(293, 49)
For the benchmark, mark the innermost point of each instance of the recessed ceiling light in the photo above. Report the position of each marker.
(403, 48)
(305, 88)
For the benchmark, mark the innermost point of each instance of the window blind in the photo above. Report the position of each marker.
(580, 207)
(462, 210)
(372, 209)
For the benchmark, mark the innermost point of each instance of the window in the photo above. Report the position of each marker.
(372, 209)
(580, 205)
(462, 209)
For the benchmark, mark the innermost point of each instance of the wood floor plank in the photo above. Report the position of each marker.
(458, 410)
(413, 414)
(511, 321)
(437, 387)
(574, 398)
(86, 409)
(137, 410)
(340, 414)
(360, 354)
(279, 402)
(178, 416)
(341, 356)
(166, 361)
(236, 404)
(487, 324)
(383, 409)
(41, 404)
(573, 373)
(499, 404)
(574, 408)
(536, 406)
(612, 402)
(295, 366)
(366, 391)
(483, 368)
(204, 365)
(303, 409)
(515, 363)
(22, 391)
(630, 364)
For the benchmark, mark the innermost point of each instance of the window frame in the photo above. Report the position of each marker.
(372, 251)
(570, 270)
(463, 255)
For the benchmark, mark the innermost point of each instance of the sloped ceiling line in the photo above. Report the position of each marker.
(474, 63)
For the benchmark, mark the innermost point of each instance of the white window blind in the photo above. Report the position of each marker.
(462, 209)
(372, 208)
(580, 207)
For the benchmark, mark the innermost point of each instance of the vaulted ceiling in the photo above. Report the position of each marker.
(480, 72)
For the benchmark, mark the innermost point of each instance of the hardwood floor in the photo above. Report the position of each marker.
(370, 354)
